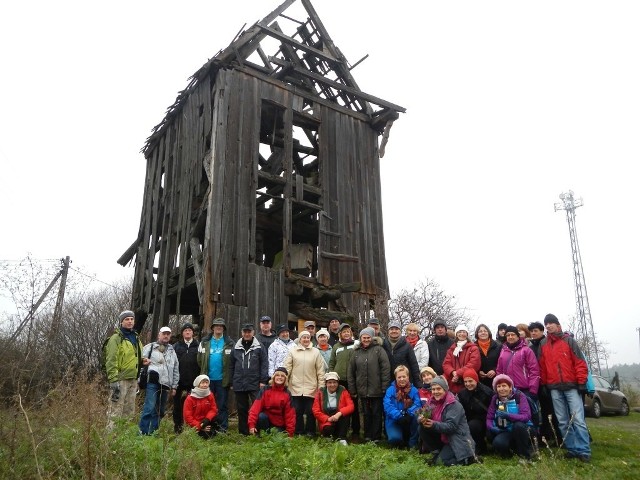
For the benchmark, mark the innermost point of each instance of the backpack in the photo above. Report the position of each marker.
(102, 361)
(534, 406)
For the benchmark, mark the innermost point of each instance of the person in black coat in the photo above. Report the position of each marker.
(249, 373)
(489, 354)
(187, 352)
(475, 399)
(401, 353)
(439, 346)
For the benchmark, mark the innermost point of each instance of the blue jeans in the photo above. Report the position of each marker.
(402, 434)
(221, 394)
(155, 401)
(568, 404)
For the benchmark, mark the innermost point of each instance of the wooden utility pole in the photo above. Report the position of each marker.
(57, 311)
(62, 273)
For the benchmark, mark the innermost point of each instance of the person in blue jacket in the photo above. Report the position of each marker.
(401, 404)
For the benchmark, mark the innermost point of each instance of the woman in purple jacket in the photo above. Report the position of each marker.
(519, 362)
(509, 420)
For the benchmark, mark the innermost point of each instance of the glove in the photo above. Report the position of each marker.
(495, 430)
(204, 423)
(405, 419)
(115, 391)
(502, 414)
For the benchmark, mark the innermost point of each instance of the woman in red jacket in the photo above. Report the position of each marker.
(200, 408)
(272, 408)
(332, 407)
(461, 355)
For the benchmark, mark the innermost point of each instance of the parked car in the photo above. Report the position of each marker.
(606, 399)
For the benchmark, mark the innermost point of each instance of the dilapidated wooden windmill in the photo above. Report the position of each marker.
(262, 191)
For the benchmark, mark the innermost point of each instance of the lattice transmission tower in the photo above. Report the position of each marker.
(585, 325)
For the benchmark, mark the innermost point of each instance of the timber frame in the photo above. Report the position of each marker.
(262, 193)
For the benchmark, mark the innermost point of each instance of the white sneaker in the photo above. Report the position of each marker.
(342, 442)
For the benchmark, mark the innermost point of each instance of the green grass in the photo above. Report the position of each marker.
(70, 450)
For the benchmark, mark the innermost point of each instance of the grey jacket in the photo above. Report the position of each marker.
(454, 425)
(165, 363)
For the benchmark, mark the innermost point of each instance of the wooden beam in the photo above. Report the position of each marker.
(340, 86)
(300, 46)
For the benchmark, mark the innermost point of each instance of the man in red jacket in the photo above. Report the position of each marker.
(563, 371)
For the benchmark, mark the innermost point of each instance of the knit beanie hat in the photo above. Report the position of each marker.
(551, 318)
(512, 329)
(442, 382)
(322, 331)
(430, 370)
(281, 370)
(198, 379)
(367, 331)
(125, 314)
(470, 373)
(502, 378)
(461, 328)
(501, 326)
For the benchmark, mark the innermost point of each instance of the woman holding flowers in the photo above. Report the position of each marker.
(509, 419)
(401, 404)
(446, 433)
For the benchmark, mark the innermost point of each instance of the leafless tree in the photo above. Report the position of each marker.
(424, 304)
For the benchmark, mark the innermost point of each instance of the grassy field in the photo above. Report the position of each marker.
(61, 447)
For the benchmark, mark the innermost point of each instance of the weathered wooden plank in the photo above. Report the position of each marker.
(230, 198)
(218, 171)
(313, 98)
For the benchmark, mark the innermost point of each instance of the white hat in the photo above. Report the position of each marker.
(165, 329)
(461, 328)
(303, 333)
(322, 331)
(198, 379)
(331, 376)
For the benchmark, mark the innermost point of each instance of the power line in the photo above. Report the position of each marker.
(93, 277)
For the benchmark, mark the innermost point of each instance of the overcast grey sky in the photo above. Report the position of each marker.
(508, 105)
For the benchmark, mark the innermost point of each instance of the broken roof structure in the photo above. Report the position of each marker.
(262, 190)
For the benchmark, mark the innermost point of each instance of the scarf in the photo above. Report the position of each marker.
(200, 392)
(438, 408)
(459, 345)
(325, 397)
(402, 395)
(324, 347)
(412, 341)
(484, 345)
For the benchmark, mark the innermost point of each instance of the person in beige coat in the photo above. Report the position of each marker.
(306, 375)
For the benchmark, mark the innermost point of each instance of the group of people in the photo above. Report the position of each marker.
(452, 397)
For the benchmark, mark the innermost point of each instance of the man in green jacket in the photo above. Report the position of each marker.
(122, 361)
(214, 358)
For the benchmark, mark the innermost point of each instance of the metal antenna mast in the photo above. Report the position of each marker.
(585, 325)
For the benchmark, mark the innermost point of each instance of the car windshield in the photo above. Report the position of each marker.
(604, 383)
